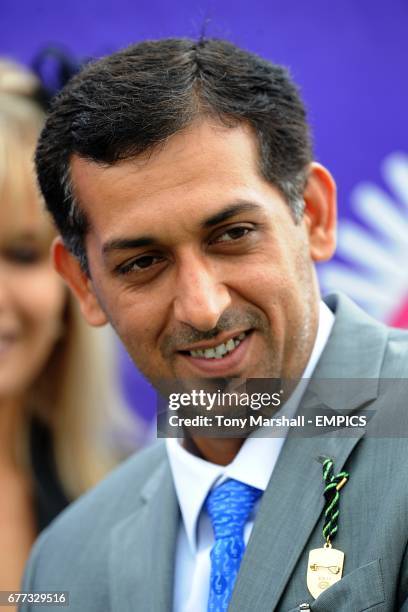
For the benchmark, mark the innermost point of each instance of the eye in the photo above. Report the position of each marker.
(144, 262)
(24, 255)
(231, 234)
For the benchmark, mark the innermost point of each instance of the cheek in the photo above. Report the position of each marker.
(38, 299)
(136, 321)
(277, 282)
(140, 322)
(262, 282)
(45, 296)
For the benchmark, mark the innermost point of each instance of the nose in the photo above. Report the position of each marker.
(201, 298)
(4, 288)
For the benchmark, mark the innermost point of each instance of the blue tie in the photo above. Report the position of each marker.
(228, 507)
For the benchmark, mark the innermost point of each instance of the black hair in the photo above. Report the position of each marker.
(132, 101)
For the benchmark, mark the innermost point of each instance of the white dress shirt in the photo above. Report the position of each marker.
(194, 478)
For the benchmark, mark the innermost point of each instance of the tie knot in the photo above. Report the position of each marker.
(229, 506)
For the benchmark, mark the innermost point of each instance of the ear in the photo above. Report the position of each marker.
(67, 265)
(320, 212)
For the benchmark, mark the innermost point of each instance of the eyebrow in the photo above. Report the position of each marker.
(30, 237)
(230, 211)
(25, 235)
(122, 244)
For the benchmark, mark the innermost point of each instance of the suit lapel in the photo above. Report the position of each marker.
(293, 501)
(143, 549)
(290, 509)
(354, 352)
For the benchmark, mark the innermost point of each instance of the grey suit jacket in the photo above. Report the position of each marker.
(114, 549)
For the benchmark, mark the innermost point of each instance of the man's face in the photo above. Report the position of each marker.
(196, 260)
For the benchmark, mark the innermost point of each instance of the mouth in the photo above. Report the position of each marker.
(219, 359)
(6, 343)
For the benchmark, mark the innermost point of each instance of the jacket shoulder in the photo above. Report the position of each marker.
(112, 500)
(76, 544)
(395, 363)
(128, 476)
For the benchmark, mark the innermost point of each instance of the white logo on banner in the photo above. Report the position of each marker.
(372, 262)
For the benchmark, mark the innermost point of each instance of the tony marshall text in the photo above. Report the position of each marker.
(260, 421)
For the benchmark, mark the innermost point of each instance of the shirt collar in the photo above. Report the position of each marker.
(254, 463)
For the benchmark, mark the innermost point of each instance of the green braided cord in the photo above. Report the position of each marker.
(327, 466)
(332, 496)
(333, 503)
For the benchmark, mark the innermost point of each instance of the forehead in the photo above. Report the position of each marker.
(195, 172)
(22, 209)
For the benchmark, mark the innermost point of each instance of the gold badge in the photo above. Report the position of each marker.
(324, 568)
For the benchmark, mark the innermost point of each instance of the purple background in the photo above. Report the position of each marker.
(350, 59)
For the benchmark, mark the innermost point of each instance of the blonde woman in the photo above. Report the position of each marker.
(59, 412)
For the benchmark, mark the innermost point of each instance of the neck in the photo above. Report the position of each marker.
(216, 450)
(11, 421)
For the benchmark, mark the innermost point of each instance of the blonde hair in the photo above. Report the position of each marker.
(76, 394)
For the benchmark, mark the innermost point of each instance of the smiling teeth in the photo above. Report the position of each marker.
(217, 352)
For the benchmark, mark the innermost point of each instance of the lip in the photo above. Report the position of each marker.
(222, 366)
(6, 343)
(221, 339)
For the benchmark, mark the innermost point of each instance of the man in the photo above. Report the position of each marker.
(191, 214)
